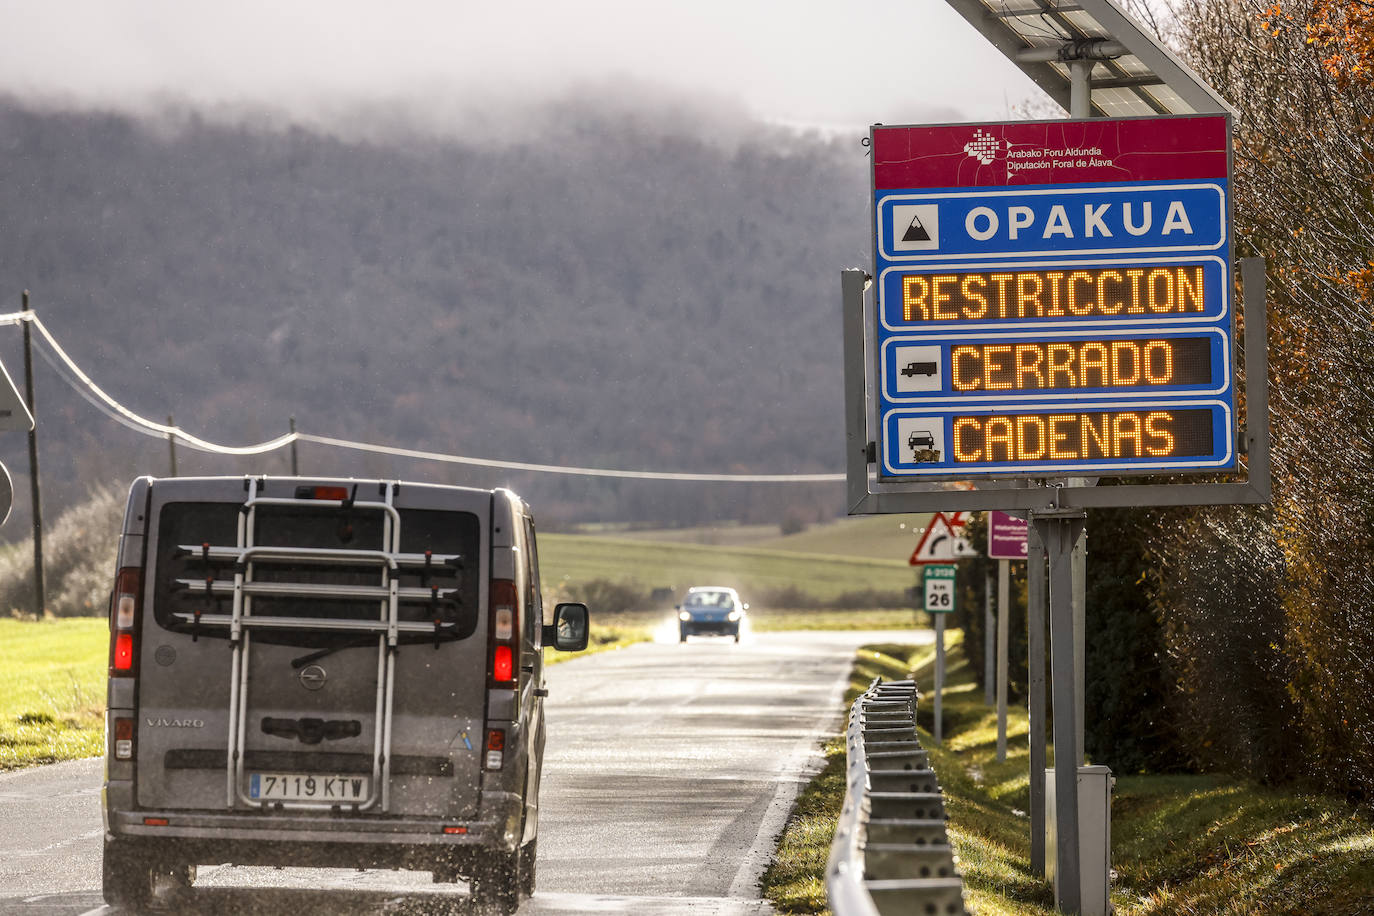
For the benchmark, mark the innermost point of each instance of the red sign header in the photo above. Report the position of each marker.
(1051, 152)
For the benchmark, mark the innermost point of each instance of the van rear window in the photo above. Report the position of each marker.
(181, 573)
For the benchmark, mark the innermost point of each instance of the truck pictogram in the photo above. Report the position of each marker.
(914, 369)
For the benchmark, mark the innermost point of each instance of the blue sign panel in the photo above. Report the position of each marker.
(1061, 366)
(1095, 219)
(1054, 292)
(1054, 307)
(1101, 438)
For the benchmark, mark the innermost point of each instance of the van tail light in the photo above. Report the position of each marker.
(503, 664)
(124, 738)
(496, 748)
(125, 607)
(505, 629)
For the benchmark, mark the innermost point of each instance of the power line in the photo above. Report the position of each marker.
(72, 374)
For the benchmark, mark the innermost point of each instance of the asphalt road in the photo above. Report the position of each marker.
(669, 772)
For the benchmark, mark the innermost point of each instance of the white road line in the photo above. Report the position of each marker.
(803, 759)
(88, 835)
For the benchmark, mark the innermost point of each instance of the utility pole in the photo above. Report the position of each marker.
(39, 597)
(172, 445)
(295, 467)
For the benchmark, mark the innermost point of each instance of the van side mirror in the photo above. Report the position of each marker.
(568, 632)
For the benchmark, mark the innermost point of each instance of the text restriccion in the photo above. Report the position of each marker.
(1083, 293)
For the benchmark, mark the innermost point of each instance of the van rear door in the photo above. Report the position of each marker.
(313, 646)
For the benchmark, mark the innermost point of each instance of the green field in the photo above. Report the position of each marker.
(570, 558)
(52, 690)
(875, 537)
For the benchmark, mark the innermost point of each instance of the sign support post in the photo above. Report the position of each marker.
(1035, 677)
(989, 650)
(1080, 646)
(938, 728)
(1003, 643)
(1059, 532)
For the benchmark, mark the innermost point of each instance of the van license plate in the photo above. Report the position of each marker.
(307, 787)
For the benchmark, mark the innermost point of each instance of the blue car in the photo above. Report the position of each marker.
(712, 609)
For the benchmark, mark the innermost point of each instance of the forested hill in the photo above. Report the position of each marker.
(616, 291)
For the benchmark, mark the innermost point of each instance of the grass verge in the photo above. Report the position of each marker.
(52, 690)
(608, 633)
(795, 881)
(1181, 844)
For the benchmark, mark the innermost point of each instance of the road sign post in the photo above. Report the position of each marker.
(989, 644)
(1003, 650)
(1008, 353)
(1035, 689)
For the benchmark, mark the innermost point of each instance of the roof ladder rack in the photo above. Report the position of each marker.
(387, 626)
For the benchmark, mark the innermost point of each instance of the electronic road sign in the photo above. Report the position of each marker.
(1054, 297)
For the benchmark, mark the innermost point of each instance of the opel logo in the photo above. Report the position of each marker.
(313, 677)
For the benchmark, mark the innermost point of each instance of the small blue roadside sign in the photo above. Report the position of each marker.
(1054, 297)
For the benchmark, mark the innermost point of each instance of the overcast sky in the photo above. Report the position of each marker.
(845, 63)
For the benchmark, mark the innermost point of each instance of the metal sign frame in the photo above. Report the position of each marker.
(1173, 159)
(1139, 74)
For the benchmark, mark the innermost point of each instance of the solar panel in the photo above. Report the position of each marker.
(1132, 73)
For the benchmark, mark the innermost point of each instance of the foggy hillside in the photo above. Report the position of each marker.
(614, 291)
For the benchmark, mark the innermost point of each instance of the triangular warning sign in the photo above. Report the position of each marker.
(942, 543)
(916, 232)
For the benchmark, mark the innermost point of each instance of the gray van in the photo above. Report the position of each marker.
(315, 672)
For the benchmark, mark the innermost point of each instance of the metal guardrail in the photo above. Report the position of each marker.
(891, 855)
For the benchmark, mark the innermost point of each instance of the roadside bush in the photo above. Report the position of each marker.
(1217, 581)
(1292, 588)
(78, 561)
(785, 596)
(1130, 724)
(969, 610)
(604, 596)
(793, 598)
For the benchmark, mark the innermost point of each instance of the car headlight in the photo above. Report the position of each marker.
(735, 615)
(683, 615)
